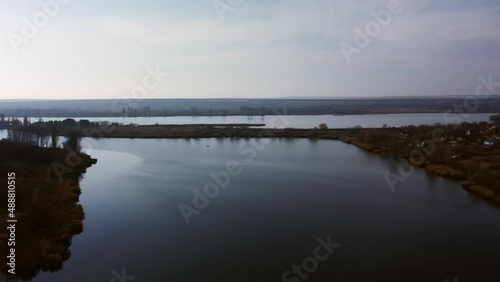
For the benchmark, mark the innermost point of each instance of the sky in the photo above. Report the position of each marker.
(92, 49)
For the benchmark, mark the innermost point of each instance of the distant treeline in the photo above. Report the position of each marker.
(231, 107)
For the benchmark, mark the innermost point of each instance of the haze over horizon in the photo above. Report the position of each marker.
(497, 96)
(105, 49)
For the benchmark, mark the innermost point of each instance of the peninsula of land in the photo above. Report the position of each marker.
(46, 208)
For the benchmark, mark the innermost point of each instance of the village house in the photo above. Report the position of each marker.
(404, 136)
(490, 142)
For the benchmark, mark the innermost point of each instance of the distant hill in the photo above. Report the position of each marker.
(212, 107)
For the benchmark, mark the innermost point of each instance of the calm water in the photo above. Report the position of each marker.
(305, 121)
(269, 216)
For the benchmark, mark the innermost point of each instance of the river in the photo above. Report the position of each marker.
(288, 194)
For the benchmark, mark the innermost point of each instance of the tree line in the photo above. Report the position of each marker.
(34, 137)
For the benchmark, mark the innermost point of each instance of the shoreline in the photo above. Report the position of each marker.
(48, 207)
(480, 189)
(444, 171)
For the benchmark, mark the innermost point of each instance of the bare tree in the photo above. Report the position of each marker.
(55, 137)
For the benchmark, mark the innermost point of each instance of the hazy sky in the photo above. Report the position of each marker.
(256, 48)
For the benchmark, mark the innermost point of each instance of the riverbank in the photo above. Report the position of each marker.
(203, 131)
(469, 153)
(95, 130)
(47, 206)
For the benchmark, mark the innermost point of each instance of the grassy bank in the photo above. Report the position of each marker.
(456, 152)
(200, 131)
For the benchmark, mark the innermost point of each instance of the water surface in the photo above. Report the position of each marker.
(270, 215)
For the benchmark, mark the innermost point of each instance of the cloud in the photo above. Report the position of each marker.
(434, 37)
(188, 42)
(268, 47)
